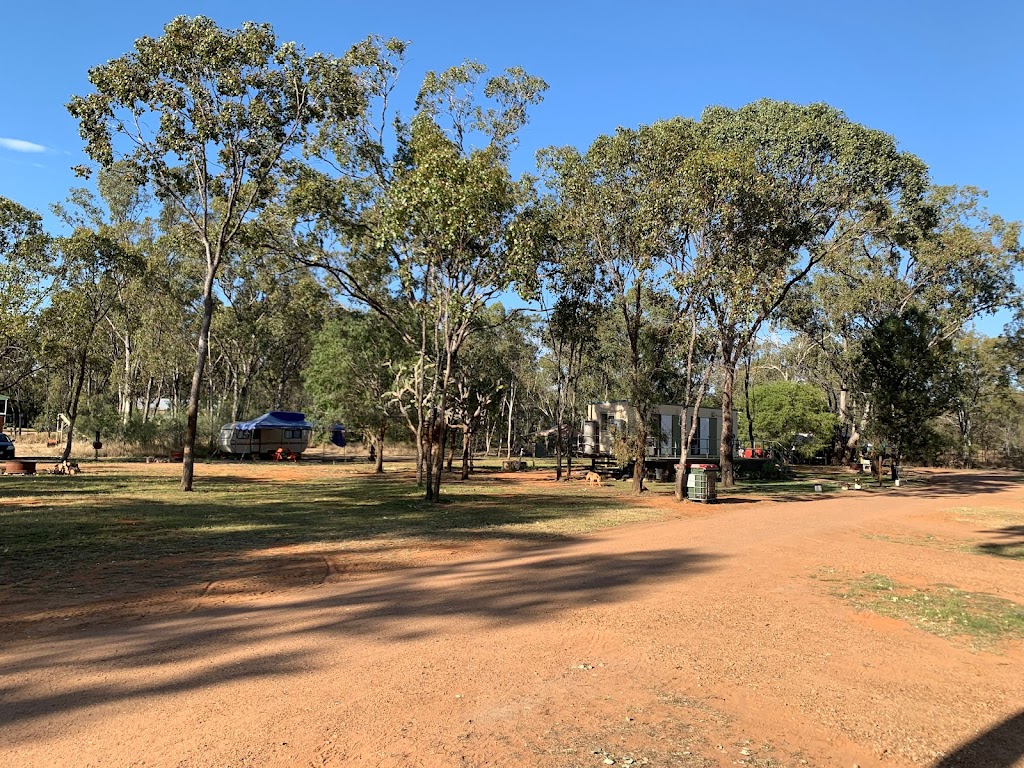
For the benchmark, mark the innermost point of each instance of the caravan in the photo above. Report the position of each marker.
(272, 432)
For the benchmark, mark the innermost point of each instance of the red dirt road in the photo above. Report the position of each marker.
(713, 638)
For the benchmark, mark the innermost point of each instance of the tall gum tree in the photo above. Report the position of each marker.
(24, 251)
(422, 235)
(955, 260)
(773, 189)
(208, 117)
(616, 225)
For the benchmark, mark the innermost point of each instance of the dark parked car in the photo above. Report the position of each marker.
(6, 447)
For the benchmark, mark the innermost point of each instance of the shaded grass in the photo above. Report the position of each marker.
(1005, 526)
(51, 523)
(1011, 546)
(941, 609)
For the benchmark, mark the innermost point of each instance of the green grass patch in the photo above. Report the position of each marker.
(942, 610)
(49, 524)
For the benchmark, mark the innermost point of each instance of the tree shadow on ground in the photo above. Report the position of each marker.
(1009, 542)
(108, 543)
(940, 484)
(397, 607)
(1001, 746)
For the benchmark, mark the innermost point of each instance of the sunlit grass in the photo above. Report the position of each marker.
(940, 609)
(130, 512)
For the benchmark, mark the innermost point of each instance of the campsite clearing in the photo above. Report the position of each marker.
(296, 615)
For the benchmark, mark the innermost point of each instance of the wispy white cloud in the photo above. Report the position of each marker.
(18, 145)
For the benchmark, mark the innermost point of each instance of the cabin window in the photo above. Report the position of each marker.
(293, 434)
(243, 434)
(703, 440)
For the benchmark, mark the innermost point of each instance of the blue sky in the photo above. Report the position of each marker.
(946, 79)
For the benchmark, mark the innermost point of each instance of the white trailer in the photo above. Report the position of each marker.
(265, 435)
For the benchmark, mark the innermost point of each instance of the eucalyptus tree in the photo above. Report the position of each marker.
(905, 366)
(24, 262)
(89, 281)
(772, 189)
(422, 231)
(208, 117)
(351, 375)
(272, 310)
(121, 212)
(568, 334)
(492, 360)
(953, 259)
(617, 226)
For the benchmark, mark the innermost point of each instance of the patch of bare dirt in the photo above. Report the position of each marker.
(711, 638)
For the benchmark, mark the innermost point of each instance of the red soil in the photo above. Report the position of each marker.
(706, 639)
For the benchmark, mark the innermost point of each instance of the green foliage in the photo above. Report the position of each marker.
(24, 249)
(353, 369)
(773, 189)
(905, 367)
(794, 414)
(209, 118)
(615, 229)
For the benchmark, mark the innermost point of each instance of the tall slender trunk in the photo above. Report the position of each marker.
(192, 417)
(451, 450)
(467, 437)
(844, 425)
(378, 467)
(234, 397)
(511, 404)
(558, 451)
(126, 386)
(149, 398)
(640, 461)
(419, 386)
(568, 463)
(746, 398)
(728, 386)
(75, 399)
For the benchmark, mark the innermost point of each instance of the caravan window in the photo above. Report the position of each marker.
(293, 434)
(243, 434)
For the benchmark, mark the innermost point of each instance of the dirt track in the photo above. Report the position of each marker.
(707, 639)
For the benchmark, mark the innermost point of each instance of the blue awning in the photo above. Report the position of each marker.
(276, 420)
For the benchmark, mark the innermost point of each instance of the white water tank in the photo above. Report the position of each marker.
(591, 436)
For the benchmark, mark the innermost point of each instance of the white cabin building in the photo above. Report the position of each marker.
(669, 426)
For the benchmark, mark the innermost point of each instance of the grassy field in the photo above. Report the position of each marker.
(124, 513)
(136, 512)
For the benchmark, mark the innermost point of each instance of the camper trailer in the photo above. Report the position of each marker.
(669, 426)
(265, 435)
